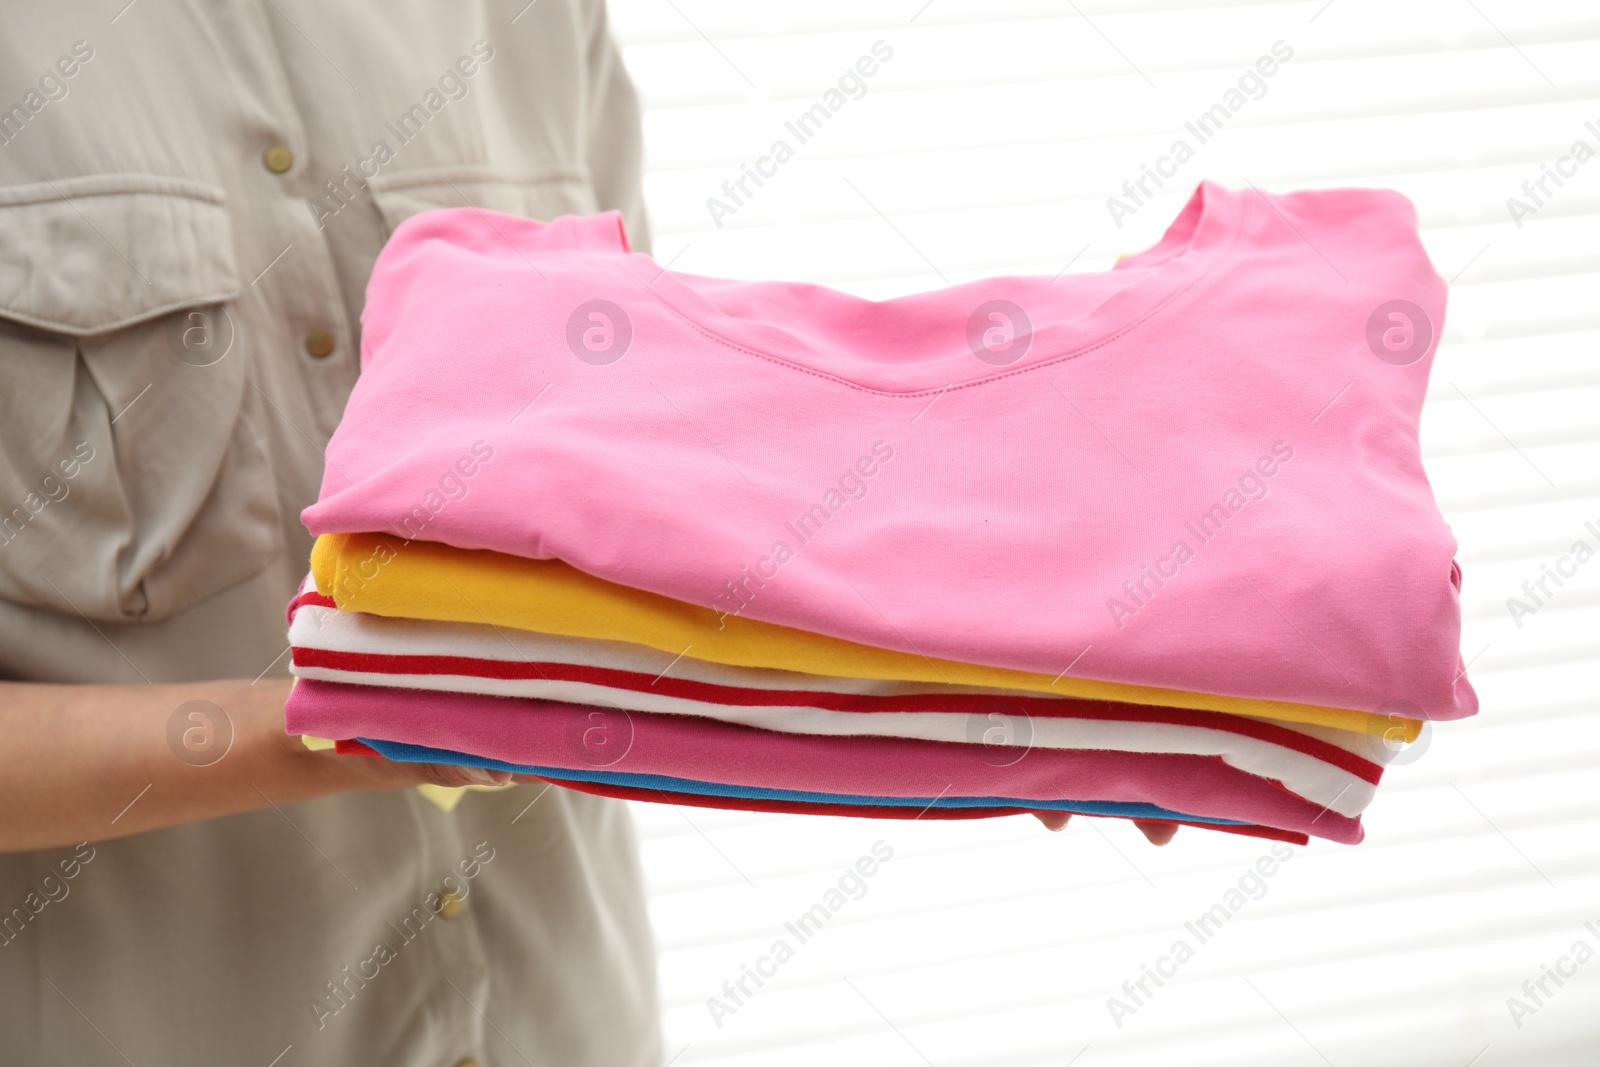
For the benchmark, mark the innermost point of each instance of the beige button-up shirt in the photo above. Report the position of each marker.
(191, 198)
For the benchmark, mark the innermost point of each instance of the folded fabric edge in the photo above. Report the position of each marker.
(327, 558)
(649, 796)
(826, 802)
(843, 810)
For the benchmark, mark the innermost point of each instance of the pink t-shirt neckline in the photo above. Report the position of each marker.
(1117, 302)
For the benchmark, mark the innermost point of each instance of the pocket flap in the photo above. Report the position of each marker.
(82, 256)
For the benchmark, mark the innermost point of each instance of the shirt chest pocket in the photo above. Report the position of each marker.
(130, 487)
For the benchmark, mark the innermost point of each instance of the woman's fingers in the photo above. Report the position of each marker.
(1156, 832)
(449, 774)
(391, 774)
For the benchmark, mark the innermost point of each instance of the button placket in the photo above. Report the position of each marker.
(298, 276)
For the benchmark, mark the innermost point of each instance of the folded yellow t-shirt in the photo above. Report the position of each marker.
(425, 580)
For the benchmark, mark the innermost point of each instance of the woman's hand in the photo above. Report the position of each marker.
(1157, 833)
(93, 762)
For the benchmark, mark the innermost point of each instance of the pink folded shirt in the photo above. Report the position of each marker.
(585, 737)
(656, 795)
(1337, 768)
(1198, 471)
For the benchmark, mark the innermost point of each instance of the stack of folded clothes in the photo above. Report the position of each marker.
(1153, 543)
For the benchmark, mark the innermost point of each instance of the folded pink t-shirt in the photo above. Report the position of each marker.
(585, 737)
(1198, 471)
(353, 747)
(653, 795)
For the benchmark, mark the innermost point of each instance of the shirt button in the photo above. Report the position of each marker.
(278, 158)
(467, 1063)
(450, 905)
(319, 343)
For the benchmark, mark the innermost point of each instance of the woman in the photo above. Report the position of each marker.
(191, 198)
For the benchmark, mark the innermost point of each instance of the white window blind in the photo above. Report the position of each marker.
(987, 140)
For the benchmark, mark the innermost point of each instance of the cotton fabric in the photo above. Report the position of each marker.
(659, 789)
(580, 737)
(1329, 767)
(791, 454)
(382, 575)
